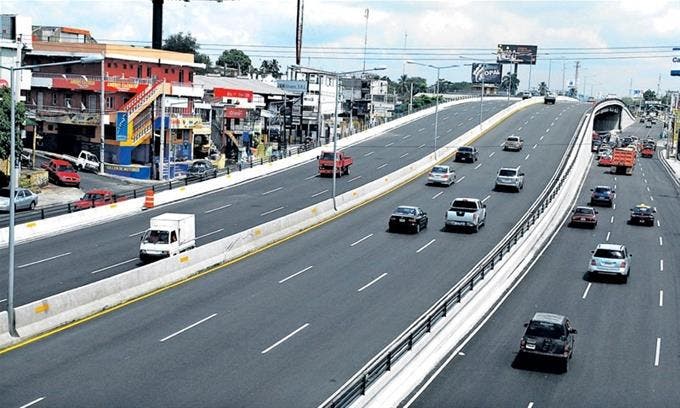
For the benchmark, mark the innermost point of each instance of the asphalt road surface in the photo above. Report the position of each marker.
(288, 326)
(626, 350)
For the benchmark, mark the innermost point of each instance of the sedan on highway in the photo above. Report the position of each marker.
(467, 153)
(24, 199)
(549, 336)
(583, 216)
(407, 218)
(610, 259)
(442, 175)
(513, 143)
(642, 214)
(509, 177)
(602, 195)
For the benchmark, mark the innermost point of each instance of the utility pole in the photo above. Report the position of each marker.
(658, 87)
(403, 71)
(578, 65)
(365, 39)
(298, 32)
(564, 69)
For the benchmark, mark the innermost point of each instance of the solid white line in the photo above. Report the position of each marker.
(296, 274)
(661, 265)
(32, 402)
(586, 291)
(425, 246)
(319, 193)
(403, 155)
(478, 166)
(486, 198)
(270, 348)
(437, 195)
(355, 178)
(219, 208)
(535, 146)
(660, 241)
(364, 238)
(527, 158)
(368, 154)
(210, 233)
(381, 166)
(658, 352)
(492, 153)
(372, 282)
(137, 233)
(114, 265)
(310, 177)
(406, 137)
(421, 146)
(661, 298)
(612, 220)
(272, 191)
(271, 211)
(44, 260)
(188, 327)
(608, 233)
(421, 129)
(460, 179)
(389, 144)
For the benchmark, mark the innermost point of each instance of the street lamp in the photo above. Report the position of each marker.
(436, 107)
(13, 175)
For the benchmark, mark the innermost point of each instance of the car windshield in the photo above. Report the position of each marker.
(465, 150)
(507, 172)
(608, 253)
(92, 196)
(545, 329)
(643, 210)
(464, 204)
(602, 190)
(513, 139)
(155, 237)
(327, 156)
(64, 167)
(405, 211)
(584, 211)
(440, 169)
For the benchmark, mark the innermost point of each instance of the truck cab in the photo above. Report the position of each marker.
(87, 161)
(342, 164)
(168, 235)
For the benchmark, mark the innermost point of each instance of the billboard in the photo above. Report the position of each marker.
(233, 93)
(292, 86)
(487, 73)
(516, 54)
(121, 126)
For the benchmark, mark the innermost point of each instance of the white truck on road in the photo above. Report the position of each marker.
(87, 161)
(168, 235)
(466, 213)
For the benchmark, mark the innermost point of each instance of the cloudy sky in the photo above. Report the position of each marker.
(616, 41)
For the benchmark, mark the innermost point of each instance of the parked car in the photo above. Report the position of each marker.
(62, 172)
(202, 168)
(509, 177)
(24, 199)
(465, 213)
(610, 259)
(442, 175)
(548, 336)
(467, 153)
(602, 195)
(408, 218)
(642, 214)
(584, 216)
(97, 198)
(513, 143)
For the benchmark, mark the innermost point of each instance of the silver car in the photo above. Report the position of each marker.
(442, 175)
(509, 177)
(610, 259)
(24, 199)
(513, 143)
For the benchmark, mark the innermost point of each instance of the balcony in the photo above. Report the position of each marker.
(64, 115)
(74, 82)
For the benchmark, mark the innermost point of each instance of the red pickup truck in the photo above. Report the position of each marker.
(341, 165)
(97, 198)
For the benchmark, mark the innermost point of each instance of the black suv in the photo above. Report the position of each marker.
(550, 336)
(602, 195)
(642, 214)
(467, 153)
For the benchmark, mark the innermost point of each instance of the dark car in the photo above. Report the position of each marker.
(467, 153)
(642, 214)
(549, 336)
(408, 218)
(202, 168)
(583, 216)
(602, 195)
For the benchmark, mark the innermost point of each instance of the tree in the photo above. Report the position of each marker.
(203, 59)
(510, 81)
(542, 88)
(649, 95)
(189, 45)
(235, 59)
(5, 127)
(270, 67)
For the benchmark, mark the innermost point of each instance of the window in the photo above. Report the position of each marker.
(67, 100)
(108, 64)
(191, 76)
(109, 102)
(148, 72)
(139, 71)
(124, 66)
(166, 70)
(181, 75)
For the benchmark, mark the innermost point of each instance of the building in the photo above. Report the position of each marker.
(15, 40)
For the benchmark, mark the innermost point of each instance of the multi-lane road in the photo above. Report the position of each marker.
(288, 326)
(56, 264)
(626, 351)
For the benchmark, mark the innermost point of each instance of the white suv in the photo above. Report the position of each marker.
(509, 177)
(610, 259)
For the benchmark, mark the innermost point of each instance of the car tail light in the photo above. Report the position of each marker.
(430, 174)
(522, 343)
(445, 176)
(623, 264)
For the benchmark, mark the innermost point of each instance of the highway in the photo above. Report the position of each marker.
(288, 326)
(69, 260)
(626, 350)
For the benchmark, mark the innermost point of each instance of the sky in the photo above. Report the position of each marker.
(440, 33)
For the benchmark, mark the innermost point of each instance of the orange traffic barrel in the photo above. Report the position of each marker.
(148, 199)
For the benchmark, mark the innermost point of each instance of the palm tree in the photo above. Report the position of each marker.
(510, 81)
(542, 88)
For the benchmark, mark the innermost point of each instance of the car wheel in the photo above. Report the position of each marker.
(565, 365)
(476, 227)
(32, 206)
(624, 278)
(347, 170)
(426, 221)
(417, 228)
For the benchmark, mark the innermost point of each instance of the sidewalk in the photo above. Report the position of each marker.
(672, 164)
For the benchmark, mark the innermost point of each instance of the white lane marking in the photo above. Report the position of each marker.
(612, 220)
(651, 198)
(3, 300)
(552, 124)
(137, 233)
(296, 274)
(547, 130)
(296, 331)
(526, 121)
(614, 206)
(540, 138)
(492, 153)
(44, 260)
(645, 181)
(470, 118)
(519, 128)
(535, 146)
(478, 166)
(648, 188)
(219, 208)
(421, 129)
(32, 402)
(486, 198)
(614, 178)
(421, 146)
(272, 191)
(661, 298)
(445, 118)
(654, 209)
(381, 166)
(614, 186)
(114, 265)
(643, 174)
(527, 158)
(460, 124)
(425, 246)
(389, 144)
(608, 234)
(403, 155)
(191, 326)
(355, 178)
(406, 137)
(437, 195)
(660, 241)
(531, 404)
(449, 131)
(502, 143)
(585, 293)
(661, 265)
(368, 154)
(531, 118)
(658, 223)
(310, 177)
(271, 211)
(372, 282)
(210, 233)
(362, 239)
(658, 352)
(319, 193)
(460, 179)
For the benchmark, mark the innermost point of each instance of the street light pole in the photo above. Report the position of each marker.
(101, 120)
(481, 103)
(335, 137)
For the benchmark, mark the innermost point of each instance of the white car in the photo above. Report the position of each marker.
(510, 177)
(610, 259)
(442, 175)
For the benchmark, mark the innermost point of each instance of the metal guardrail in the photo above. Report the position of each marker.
(383, 362)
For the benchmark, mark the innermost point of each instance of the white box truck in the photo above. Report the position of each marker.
(168, 235)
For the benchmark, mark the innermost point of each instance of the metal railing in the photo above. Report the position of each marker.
(384, 361)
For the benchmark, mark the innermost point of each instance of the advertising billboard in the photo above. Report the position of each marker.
(292, 86)
(487, 73)
(121, 126)
(516, 54)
